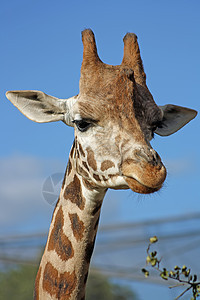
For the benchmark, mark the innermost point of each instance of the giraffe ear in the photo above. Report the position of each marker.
(174, 118)
(41, 108)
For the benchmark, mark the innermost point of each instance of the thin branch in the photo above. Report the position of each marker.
(183, 293)
(177, 285)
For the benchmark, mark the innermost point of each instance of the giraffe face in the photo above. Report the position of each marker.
(113, 129)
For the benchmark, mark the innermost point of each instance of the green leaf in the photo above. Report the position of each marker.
(172, 274)
(148, 259)
(164, 276)
(153, 239)
(153, 262)
(146, 273)
(184, 268)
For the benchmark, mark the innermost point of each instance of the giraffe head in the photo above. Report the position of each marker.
(114, 116)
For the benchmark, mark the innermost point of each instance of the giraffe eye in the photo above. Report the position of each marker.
(82, 125)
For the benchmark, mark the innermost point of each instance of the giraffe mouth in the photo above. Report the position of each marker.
(145, 178)
(138, 187)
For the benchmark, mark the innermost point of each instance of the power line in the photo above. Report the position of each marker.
(185, 217)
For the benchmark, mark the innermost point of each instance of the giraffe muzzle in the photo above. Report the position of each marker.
(145, 173)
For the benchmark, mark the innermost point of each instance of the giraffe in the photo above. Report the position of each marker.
(114, 118)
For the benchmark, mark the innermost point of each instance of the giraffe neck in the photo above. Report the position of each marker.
(64, 266)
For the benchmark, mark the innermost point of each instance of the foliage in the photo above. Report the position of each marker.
(18, 284)
(182, 275)
(99, 288)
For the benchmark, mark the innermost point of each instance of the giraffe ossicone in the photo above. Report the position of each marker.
(114, 117)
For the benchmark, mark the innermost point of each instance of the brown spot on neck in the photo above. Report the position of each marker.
(77, 226)
(90, 158)
(58, 241)
(50, 280)
(89, 250)
(96, 209)
(73, 193)
(60, 286)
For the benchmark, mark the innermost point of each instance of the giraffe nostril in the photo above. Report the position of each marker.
(150, 156)
(157, 160)
(141, 155)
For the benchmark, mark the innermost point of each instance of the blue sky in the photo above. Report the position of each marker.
(41, 49)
